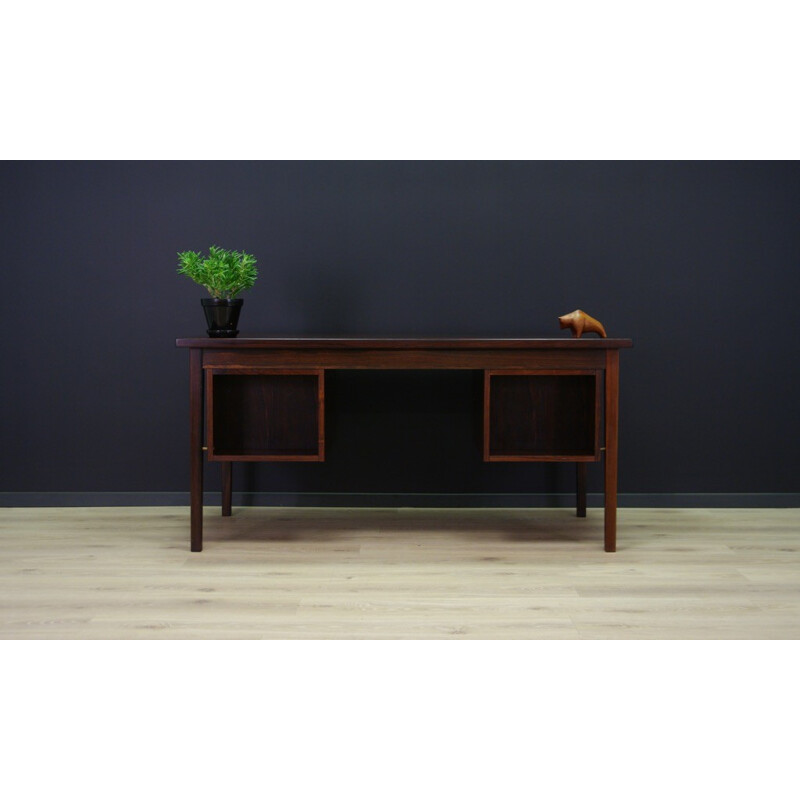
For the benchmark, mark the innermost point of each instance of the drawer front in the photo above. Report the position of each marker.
(541, 415)
(257, 414)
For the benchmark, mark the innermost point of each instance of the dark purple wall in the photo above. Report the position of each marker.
(699, 263)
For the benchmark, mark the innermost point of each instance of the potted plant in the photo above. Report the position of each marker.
(224, 273)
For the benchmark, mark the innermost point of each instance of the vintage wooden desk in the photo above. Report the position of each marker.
(264, 400)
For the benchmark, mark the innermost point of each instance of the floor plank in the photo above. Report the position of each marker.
(127, 573)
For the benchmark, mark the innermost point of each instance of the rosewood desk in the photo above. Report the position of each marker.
(543, 400)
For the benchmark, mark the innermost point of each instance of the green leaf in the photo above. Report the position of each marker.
(224, 273)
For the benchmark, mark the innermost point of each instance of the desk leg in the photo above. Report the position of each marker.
(196, 447)
(580, 488)
(612, 425)
(227, 487)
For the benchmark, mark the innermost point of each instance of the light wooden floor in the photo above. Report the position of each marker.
(127, 573)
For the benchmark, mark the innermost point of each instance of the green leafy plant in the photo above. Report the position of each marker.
(224, 273)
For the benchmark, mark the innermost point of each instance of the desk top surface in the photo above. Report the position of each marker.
(405, 343)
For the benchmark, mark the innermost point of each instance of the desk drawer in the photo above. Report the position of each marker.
(541, 415)
(257, 414)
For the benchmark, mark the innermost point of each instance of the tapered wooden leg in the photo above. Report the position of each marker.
(612, 427)
(196, 448)
(227, 487)
(580, 488)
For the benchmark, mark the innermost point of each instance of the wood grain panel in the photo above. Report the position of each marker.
(258, 415)
(544, 416)
(406, 359)
(399, 343)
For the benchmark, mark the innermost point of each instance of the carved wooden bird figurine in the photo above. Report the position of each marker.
(580, 322)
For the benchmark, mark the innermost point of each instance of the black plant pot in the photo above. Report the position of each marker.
(222, 316)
